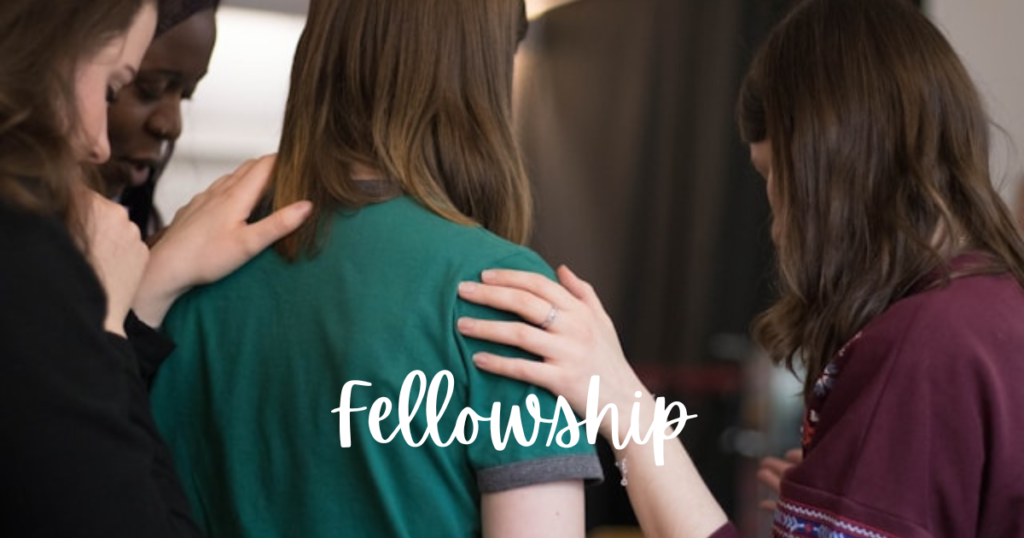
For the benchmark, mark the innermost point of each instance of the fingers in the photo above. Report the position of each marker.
(582, 290)
(264, 233)
(512, 333)
(794, 455)
(770, 478)
(253, 172)
(227, 179)
(768, 506)
(528, 371)
(534, 283)
(775, 465)
(254, 179)
(524, 304)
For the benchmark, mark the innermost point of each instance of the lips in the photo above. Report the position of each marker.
(137, 171)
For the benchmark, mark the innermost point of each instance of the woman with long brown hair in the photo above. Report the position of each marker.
(901, 276)
(398, 128)
(79, 455)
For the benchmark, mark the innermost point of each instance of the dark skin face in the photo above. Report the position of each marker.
(145, 119)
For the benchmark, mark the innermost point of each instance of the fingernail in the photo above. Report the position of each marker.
(488, 274)
(480, 359)
(465, 324)
(467, 287)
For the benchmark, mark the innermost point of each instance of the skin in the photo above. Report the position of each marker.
(115, 250)
(100, 77)
(145, 120)
(582, 343)
(209, 238)
(761, 158)
(554, 510)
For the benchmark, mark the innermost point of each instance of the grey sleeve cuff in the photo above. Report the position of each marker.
(527, 473)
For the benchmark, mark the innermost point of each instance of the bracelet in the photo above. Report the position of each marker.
(621, 466)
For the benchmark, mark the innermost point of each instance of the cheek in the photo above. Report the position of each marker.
(127, 118)
(769, 187)
(90, 138)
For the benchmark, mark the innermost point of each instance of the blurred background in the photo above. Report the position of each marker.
(625, 114)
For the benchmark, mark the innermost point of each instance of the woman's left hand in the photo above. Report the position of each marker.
(210, 238)
(770, 474)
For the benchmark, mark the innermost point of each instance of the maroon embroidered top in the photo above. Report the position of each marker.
(918, 425)
(916, 429)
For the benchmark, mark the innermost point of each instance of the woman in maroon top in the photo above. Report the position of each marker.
(900, 276)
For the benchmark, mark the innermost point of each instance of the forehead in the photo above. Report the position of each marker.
(109, 54)
(184, 49)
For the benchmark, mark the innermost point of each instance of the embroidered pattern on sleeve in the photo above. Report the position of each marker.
(796, 521)
(822, 388)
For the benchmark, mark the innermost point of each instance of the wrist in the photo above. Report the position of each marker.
(624, 404)
(114, 324)
(155, 298)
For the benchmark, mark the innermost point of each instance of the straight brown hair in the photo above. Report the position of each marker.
(880, 162)
(419, 90)
(41, 44)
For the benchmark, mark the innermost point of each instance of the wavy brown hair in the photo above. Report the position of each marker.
(41, 43)
(880, 163)
(419, 90)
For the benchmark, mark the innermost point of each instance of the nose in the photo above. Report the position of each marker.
(165, 122)
(98, 151)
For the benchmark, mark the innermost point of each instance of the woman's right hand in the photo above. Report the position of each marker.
(580, 342)
(117, 254)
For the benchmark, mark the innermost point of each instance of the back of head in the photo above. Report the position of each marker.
(880, 163)
(418, 90)
(41, 44)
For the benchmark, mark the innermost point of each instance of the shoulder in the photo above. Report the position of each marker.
(973, 316)
(420, 234)
(40, 257)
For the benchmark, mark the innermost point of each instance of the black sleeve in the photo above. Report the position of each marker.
(151, 347)
(79, 453)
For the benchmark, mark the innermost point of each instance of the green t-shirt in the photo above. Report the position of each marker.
(246, 400)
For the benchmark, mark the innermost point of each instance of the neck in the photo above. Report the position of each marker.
(365, 173)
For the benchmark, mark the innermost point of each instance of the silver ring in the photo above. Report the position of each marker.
(552, 316)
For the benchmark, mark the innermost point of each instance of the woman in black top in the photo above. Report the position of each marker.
(78, 452)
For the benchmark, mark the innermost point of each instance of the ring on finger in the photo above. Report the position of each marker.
(550, 319)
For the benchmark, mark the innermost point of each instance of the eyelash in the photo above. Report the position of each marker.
(111, 96)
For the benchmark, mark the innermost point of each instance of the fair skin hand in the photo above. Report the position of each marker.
(114, 248)
(670, 500)
(117, 254)
(210, 238)
(770, 474)
(554, 510)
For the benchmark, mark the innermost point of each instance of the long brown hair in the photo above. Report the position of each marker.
(419, 90)
(880, 163)
(40, 45)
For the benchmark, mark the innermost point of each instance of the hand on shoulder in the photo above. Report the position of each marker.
(211, 237)
(116, 252)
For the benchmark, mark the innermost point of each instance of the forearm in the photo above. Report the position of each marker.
(670, 501)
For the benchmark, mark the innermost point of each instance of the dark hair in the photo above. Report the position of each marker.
(417, 89)
(175, 12)
(880, 169)
(41, 44)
